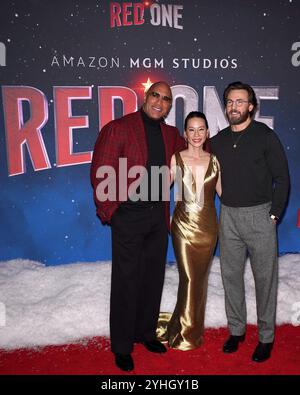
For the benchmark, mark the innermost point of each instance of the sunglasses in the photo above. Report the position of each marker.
(156, 95)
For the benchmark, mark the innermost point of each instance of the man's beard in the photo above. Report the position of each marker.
(237, 120)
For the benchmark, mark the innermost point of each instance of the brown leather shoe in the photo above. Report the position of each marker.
(232, 343)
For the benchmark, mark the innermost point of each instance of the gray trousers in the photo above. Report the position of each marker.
(242, 230)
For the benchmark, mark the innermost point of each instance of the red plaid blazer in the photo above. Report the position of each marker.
(126, 138)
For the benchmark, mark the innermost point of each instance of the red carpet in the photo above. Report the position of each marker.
(93, 357)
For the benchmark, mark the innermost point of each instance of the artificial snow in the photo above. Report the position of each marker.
(42, 305)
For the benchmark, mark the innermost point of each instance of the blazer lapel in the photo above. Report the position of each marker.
(140, 135)
(166, 135)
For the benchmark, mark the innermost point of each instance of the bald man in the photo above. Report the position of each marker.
(140, 222)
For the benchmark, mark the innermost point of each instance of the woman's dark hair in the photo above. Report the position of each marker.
(240, 85)
(195, 114)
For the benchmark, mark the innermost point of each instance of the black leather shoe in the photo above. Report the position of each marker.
(124, 362)
(262, 352)
(232, 343)
(155, 346)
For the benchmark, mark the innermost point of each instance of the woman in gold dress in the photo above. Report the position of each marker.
(194, 235)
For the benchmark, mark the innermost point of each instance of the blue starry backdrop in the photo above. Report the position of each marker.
(49, 215)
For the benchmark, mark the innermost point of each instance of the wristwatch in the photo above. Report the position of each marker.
(272, 216)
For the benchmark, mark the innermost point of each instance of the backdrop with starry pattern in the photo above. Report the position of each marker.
(49, 215)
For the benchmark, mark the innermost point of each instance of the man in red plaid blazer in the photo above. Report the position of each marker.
(139, 225)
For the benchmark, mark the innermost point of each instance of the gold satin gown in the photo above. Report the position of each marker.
(194, 231)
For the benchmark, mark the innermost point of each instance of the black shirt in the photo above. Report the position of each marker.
(256, 171)
(156, 158)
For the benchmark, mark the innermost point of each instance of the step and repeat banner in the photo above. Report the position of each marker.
(69, 67)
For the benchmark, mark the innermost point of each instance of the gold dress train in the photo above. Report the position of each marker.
(194, 237)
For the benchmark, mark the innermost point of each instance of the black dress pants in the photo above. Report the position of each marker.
(139, 247)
